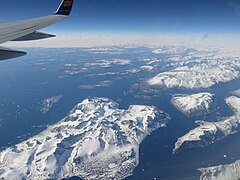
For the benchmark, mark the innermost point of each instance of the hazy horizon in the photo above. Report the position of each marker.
(131, 22)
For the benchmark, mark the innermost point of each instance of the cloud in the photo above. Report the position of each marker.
(97, 40)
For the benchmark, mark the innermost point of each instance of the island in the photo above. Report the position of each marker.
(49, 102)
(195, 104)
(210, 132)
(96, 140)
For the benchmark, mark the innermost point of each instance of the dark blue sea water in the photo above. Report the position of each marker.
(27, 81)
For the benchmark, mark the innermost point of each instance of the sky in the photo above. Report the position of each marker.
(144, 20)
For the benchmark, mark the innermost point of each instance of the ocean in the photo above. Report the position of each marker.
(26, 82)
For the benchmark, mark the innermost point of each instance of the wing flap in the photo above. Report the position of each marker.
(6, 53)
(34, 36)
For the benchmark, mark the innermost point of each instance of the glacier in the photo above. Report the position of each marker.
(194, 104)
(97, 140)
(210, 132)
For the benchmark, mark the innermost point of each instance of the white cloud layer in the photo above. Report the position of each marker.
(91, 40)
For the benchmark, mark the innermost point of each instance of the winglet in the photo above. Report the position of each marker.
(65, 7)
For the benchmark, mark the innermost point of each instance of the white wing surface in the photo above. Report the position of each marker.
(26, 30)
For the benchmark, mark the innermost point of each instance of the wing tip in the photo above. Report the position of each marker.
(65, 8)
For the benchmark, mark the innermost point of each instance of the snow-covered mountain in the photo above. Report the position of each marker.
(196, 68)
(228, 171)
(106, 63)
(170, 50)
(96, 140)
(210, 132)
(195, 104)
(197, 76)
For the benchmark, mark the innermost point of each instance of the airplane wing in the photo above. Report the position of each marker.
(26, 30)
